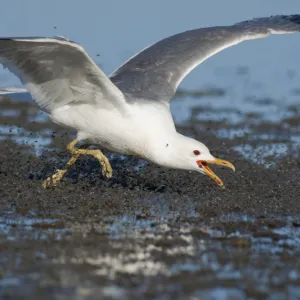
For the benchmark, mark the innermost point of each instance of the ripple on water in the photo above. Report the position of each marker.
(261, 153)
(27, 228)
(20, 135)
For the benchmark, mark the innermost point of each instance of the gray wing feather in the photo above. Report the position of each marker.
(5, 91)
(56, 71)
(156, 72)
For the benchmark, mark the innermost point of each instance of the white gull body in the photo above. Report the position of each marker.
(129, 111)
(144, 130)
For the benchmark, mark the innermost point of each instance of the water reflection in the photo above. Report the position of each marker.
(27, 228)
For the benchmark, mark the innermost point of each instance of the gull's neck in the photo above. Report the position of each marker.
(168, 150)
(154, 136)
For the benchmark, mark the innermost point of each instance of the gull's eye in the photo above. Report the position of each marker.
(196, 152)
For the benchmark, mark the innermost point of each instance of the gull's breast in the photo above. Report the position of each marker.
(130, 133)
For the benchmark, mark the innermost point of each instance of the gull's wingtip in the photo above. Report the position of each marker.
(292, 18)
(277, 24)
(5, 91)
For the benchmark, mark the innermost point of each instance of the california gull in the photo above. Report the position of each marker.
(129, 111)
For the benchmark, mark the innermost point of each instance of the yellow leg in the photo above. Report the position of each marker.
(58, 175)
(106, 167)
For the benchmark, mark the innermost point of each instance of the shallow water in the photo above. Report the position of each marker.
(150, 232)
(126, 257)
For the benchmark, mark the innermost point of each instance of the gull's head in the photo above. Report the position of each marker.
(198, 158)
(203, 158)
(189, 154)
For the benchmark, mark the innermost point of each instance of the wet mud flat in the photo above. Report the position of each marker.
(150, 232)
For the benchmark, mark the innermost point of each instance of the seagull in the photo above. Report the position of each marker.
(129, 111)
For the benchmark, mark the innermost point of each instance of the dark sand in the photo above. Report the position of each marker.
(150, 232)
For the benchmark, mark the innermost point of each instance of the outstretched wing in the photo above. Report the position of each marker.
(56, 71)
(156, 72)
(5, 91)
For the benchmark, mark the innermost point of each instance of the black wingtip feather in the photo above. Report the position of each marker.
(293, 18)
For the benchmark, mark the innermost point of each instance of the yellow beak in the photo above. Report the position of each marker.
(203, 164)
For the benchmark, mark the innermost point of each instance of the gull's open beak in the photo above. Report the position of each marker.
(203, 164)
